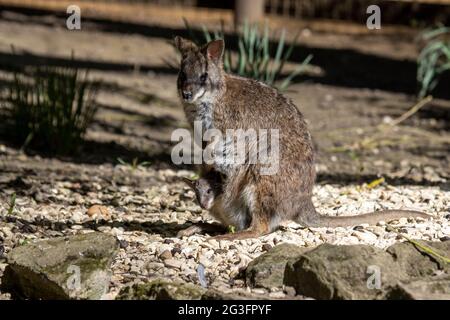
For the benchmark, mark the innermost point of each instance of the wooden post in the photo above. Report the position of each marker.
(248, 10)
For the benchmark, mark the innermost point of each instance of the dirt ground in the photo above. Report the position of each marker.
(351, 89)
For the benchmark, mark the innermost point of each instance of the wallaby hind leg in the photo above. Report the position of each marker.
(259, 225)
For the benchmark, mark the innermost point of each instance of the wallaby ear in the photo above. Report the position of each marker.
(184, 45)
(189, 182)
(214, 50)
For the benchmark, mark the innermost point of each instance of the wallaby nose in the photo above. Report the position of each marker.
(187, 95)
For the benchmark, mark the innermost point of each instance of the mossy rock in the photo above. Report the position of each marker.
(73, 267)
(344, 272)
(267, 271)
(430, 288)
(160, 289)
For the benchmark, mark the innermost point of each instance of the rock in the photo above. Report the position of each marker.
(267, 270)
(365, 236)
(165, 255)
(175, 251)
(172, 263)
(336, 272)
(75, 267)
(214, 294)
(104, 229)
(240, 294)
(160, 289)
(290, 291)
(433, 288)
(414, 263)
(77, 217)
(403, 220)
(98, 212)
(348, 272)
(123, 244)
(259, 291)
(277, 295)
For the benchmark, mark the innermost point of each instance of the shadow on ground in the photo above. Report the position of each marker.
(165, 229)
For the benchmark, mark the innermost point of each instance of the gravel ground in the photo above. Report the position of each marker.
(147, 207)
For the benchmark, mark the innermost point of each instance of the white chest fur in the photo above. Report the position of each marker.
(203, 113)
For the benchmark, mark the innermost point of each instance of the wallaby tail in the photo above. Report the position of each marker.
(368, 218)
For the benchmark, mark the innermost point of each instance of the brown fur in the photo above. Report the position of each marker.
(255, 203)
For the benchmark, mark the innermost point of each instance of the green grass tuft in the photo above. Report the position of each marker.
(434, 59)
(12, 204)
(50, 108)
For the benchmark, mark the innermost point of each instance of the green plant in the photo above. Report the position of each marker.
(255, 58)
(231, 229)
(134, 164)
(50, 108)
(24, 242)
(434, 59)
(12, 204)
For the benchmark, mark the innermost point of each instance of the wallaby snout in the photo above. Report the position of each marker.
(187, 95)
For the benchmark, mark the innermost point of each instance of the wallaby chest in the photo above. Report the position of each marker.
(222, 150)
(202, 113)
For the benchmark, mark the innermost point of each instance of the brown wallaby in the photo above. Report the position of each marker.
(252, 202)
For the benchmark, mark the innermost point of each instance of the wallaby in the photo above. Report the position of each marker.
(207, 188)
(254, 203)
(208, 192)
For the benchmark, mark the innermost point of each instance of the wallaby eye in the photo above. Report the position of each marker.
(182, 76)
(209, 191)
(203, 77)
